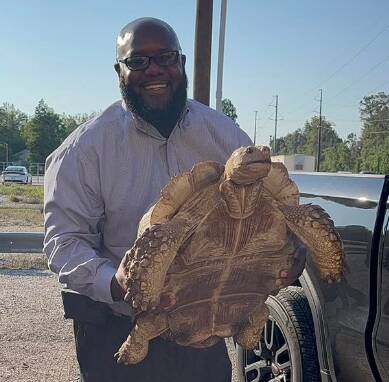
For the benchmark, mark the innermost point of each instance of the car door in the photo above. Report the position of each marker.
(378, 326)
(353, 203)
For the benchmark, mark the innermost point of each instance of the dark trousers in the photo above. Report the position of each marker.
(97, 342)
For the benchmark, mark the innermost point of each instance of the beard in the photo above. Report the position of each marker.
(163, 119)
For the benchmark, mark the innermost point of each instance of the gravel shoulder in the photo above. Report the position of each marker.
(36, 342)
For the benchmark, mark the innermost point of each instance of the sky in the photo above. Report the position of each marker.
(64, 51)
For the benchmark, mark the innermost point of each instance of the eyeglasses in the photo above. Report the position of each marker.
(143, 62)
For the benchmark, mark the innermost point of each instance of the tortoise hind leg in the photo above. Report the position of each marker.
(249, 333)
(136, 347)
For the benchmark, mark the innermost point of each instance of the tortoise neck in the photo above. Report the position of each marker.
(240, 199)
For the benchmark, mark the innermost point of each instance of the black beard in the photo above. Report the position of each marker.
(164, 119)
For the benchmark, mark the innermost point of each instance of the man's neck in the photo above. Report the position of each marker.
(165, 128)
(166, 124)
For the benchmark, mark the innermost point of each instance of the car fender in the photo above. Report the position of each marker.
(323, 345)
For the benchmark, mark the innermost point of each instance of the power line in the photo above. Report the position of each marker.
(361, 77)
(376, 132)
(379, 86)
(355, 55)
(364, 47)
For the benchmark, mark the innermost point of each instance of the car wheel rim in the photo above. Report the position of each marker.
(270, 361)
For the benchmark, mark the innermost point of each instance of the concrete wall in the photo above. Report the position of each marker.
(297, 162)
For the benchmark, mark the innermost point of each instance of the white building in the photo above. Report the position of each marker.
(296, 162)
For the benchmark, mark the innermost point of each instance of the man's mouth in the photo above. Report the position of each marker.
(156, 87)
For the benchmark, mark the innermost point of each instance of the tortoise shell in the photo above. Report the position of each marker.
(210, 251)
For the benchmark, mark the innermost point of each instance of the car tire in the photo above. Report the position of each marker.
(286, 350)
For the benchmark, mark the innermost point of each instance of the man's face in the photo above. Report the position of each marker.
(156, 89)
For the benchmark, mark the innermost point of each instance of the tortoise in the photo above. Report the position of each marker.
(209, 252)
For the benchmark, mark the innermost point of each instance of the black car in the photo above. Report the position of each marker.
(333, 332)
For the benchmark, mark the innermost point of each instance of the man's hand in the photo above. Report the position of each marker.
(118, 282)
(289, 276)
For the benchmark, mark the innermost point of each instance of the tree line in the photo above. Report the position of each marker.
(41, 133)
(369, 152)
(45, 130)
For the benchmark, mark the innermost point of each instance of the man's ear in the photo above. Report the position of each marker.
(117, 69)
(183, 59)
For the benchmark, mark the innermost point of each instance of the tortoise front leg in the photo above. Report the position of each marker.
(136, 347)
(313, 226)
(148, 262)
(249, 333)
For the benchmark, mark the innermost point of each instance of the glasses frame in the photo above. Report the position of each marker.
(125, 60)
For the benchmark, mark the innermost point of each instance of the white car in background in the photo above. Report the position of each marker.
(16, 174)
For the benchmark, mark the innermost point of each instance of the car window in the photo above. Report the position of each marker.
(15, 169)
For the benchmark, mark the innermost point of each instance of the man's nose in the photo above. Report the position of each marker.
(153, 69)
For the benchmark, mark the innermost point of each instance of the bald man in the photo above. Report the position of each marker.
(100, 182)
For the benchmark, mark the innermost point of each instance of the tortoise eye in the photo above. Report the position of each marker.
(249, 150)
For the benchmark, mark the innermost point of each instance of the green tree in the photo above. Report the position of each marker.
(337, 158)
(43, 133)
(329, 137)
(375, 133)
(354, 146)
(292, 143)
(304, 141)
(229, 109)
(71, 122)
(12, 122)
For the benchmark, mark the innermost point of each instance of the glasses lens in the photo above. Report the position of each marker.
(137, 63)
(166, 59)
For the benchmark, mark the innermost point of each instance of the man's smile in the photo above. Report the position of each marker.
(155, 88)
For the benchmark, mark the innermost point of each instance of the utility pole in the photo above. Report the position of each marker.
(6, 151)
(202, 54)
(222, 32)
(255, 126)
(319, 134)
(275, 128)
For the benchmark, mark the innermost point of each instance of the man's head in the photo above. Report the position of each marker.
(247, 165)
(151, 71)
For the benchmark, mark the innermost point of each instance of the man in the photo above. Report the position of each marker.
(100, 182)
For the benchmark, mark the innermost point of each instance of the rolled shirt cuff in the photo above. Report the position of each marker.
(102, 283)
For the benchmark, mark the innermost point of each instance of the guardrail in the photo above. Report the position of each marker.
(21, 242)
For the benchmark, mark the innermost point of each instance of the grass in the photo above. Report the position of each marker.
(20, 211)
(22, 193)
(23, 261)
(21, 217)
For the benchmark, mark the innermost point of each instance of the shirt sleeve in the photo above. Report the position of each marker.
(74, 217)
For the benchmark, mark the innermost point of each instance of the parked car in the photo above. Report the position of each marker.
(16, 174)
(333, 332)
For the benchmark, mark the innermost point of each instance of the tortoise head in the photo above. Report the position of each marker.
(248, 164)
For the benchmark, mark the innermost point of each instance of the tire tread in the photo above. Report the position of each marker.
(294, 301)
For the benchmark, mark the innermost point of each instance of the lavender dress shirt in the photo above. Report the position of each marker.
(103, 178)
